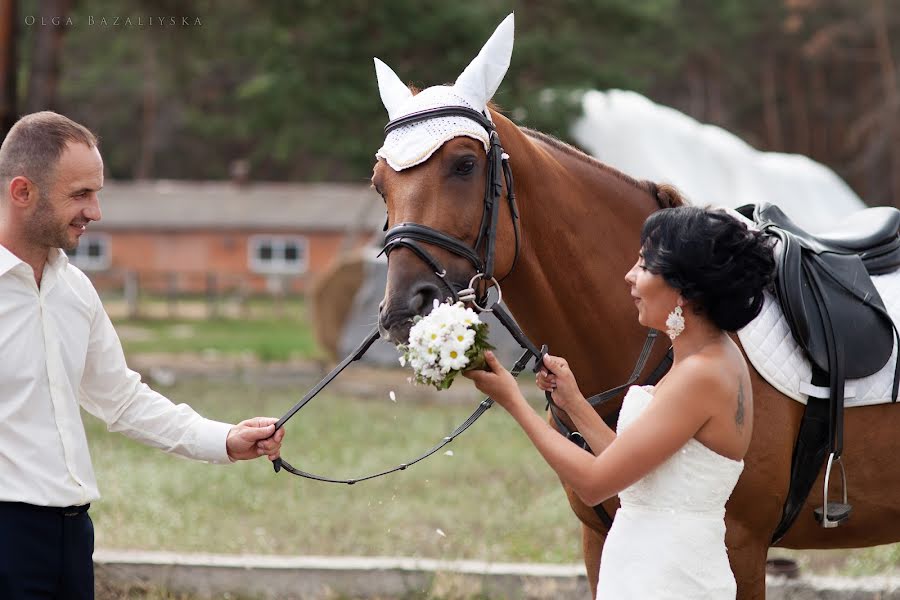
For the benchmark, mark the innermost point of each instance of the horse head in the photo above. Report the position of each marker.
(442, 174)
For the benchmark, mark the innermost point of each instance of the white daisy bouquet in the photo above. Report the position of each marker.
(442, 344)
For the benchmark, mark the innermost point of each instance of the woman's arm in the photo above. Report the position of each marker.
(673, 417)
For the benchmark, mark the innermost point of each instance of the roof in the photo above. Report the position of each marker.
(220, 205)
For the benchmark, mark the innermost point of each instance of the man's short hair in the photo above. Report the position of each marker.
(34, 144)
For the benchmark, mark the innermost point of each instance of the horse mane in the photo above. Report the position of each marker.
(666, 195)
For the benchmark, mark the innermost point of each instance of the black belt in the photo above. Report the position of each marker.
(65, 511)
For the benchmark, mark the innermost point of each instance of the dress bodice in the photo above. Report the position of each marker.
(667, 541)
(695, 480)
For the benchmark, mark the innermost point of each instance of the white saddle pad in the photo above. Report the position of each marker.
(772, 350)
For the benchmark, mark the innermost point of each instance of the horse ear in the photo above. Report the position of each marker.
(483, 75)
(394, 92)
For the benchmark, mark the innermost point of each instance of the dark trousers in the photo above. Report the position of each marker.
(45, 553)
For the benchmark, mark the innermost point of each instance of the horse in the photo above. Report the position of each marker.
(580, 226)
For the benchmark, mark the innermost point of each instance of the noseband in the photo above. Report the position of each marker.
(410, 235)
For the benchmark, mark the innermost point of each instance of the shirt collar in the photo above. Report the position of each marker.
(8, 260)
(56, 259)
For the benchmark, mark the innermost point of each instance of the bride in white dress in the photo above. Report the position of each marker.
(678, 449)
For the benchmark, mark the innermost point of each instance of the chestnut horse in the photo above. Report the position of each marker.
(580, 223)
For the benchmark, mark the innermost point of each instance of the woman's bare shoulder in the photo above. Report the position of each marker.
(712, 374)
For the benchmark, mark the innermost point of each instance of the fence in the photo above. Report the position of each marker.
(196, 295)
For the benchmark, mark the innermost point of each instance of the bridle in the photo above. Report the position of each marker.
(411, 235)
(408, 235)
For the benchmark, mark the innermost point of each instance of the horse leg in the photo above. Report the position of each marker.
(592, 547)
(747, 553)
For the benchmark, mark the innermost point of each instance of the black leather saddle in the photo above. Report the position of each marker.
(836, 315)
(826, 293)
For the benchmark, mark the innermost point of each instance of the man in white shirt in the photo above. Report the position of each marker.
(59, 351)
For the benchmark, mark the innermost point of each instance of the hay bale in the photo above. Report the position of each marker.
(331, 297)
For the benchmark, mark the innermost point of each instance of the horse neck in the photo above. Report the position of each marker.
(580, 223)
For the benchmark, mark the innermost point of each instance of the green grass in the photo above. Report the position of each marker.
(493, 499)
(269, 339)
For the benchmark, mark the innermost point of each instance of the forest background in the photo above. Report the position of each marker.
(286, 90)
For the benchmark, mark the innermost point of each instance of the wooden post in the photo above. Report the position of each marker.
(172, 294)
(131, 292)
(212, 296)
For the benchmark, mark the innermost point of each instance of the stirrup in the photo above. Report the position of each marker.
(833, 514)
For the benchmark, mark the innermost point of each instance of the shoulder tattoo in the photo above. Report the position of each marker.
(739, 414)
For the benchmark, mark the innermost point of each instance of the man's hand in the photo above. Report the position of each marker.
(253, 438)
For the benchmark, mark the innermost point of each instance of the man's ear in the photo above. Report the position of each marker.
(22, 191)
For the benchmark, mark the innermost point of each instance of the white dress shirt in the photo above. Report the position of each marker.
(58, 350)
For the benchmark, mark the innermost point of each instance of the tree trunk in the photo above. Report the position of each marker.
(149, 110)
(798, 108)
(771, 118)
(44, 80)
(891, 96)
(8, 62)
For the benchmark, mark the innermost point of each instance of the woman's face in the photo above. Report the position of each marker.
(654, 298)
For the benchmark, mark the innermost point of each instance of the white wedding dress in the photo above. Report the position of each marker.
(668, 538)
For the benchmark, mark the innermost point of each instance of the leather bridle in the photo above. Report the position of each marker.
(411, 235)
(481, 255)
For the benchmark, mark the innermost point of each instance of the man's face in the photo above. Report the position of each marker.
(70, 201)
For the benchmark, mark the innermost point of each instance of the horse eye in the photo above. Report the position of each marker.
(465, 166)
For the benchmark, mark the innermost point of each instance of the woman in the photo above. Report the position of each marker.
(679, 446)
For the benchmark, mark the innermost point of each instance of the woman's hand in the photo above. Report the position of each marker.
(498, 383)
(557, 378)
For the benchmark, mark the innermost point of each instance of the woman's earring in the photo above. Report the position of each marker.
(675, 323)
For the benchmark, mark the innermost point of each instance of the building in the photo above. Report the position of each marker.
(202, 237)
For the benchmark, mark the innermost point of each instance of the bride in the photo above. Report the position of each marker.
(678, 449)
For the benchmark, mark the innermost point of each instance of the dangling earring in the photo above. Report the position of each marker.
(675, 323)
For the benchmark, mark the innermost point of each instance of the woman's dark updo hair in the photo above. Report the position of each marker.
(713, 259)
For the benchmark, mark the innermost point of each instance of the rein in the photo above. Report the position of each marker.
(410, 235)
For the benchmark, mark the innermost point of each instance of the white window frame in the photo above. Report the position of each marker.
(278, 265)
(80, 258)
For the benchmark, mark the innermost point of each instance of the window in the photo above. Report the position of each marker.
(92, 252)
(278, 254)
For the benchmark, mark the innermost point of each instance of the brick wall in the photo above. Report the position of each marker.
(193, 255)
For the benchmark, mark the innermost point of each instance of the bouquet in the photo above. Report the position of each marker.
(442, 344)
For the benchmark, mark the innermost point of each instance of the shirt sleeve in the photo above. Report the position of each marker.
(115, 394)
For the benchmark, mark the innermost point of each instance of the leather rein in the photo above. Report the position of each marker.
(410, 235)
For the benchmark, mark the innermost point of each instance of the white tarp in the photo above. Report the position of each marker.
(648, 141)
(708, 164)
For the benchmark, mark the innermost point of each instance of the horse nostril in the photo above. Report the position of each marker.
(423, 297)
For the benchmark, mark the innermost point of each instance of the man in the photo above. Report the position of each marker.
(58, 350)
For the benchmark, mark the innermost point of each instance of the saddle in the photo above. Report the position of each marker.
(836, 315)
